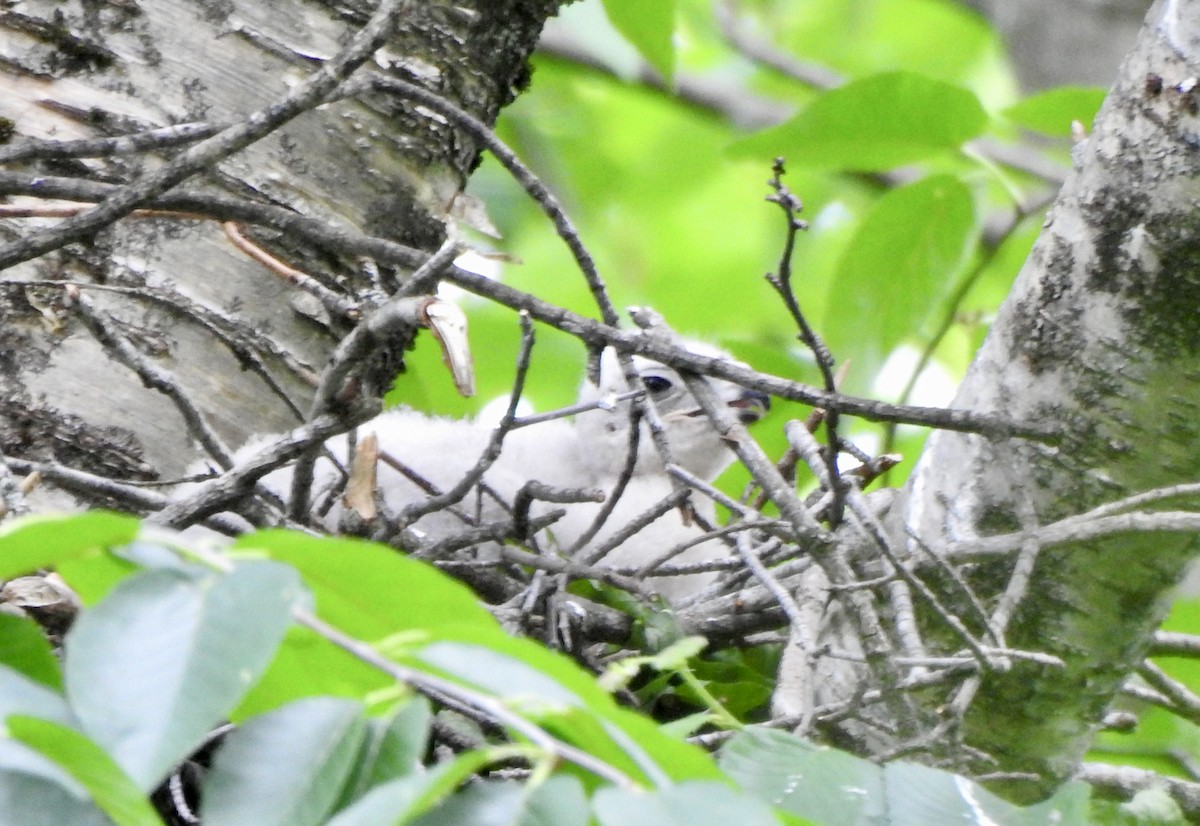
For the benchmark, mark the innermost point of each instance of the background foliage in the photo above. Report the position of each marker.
(897, 143)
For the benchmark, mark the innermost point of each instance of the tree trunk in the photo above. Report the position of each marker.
(1101, 335)
(178, 345)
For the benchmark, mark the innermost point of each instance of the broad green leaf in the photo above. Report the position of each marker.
(1051, 112)
(286, 768)
(392, 748)
(33, 799)
(560, 801)
(898, 268)
(877, 123)
(399, 801)
(168, 654)
(829, 786)
(44, 540)
(834, 788)
(23, 647)
(92, 577)
(650, 27)
(694, 803)
(112, 790)
(370, 590)
(515, 678)
(555, 693)
(395, 801)
(308, 665)
(22, 694)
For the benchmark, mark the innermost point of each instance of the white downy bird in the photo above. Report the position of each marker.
(588, 452)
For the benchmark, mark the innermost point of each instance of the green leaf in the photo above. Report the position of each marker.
(169, 653)
(837, 788)
(358, 585)
(1052, 111)
(33, 799)
(560, 801)
(396, 801)
(308, 665)
(898, 268)
(694, 803)
(392, 748)
(372, 593)
(400, 800)
(876, 123)
(650, 27)
(112, 790)
(834, 788)
(550, 690)
(93, 577)
(20, 694)
(44, 540)
(24, 648)
(286, 768)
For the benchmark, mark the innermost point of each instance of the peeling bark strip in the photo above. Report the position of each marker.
(1101, 333)
(240, 98)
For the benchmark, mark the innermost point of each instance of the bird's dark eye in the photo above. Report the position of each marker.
(657, 384)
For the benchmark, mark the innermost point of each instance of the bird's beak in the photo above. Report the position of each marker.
(751, 406)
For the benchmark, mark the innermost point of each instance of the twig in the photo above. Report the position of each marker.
(521, 173)
(12, 497)
(1184, 702)
(495, 443)
(161, 138)
(781, 280)
(672, 500)
(1127, 781)
(225, 329)
(216, 494)
(575, 409)
(332, 301)
(1174, 644)
(613, 496)
(1073, 529)
(152, 376)
(494, 708)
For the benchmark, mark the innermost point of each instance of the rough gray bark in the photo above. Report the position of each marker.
(236, 341)
(1101, 335)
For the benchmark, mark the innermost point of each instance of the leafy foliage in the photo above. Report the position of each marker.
(176, 646)
(667, 194)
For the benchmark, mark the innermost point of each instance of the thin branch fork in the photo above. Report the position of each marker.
(781, 280)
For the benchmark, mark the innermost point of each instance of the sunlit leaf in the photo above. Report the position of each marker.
(1053, 111)
(650, 27)
(898, 268)
(370, 590)
(44, 540)
(23, 647)
(879, 122)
